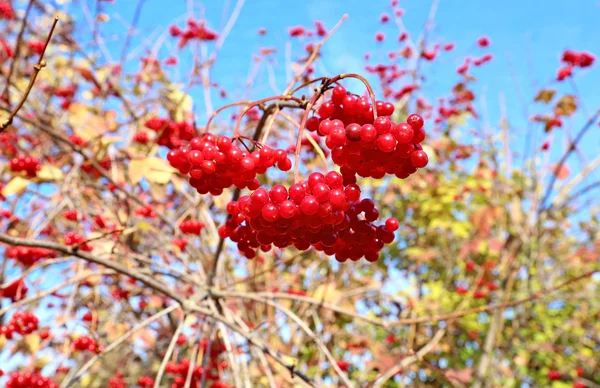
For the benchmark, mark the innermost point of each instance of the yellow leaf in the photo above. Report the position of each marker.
(181, 102)
(155, 170)
(50, 173)
(327, 292)
(85, 380)
(566, 106)
(545, 95)
(33, 342)
(136, 170)
(85, 124)
(15, 186)
(144, 226)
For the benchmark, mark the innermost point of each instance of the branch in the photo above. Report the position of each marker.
(411, 359)
(6, 92)
(36, 69)
(146, 279)
(564, 158)
(118, 342)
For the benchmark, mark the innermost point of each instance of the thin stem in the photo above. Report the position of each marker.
(36, 69)
(170, 349)
(6, 92)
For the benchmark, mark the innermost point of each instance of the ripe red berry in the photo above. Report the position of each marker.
(419, 158)
(415, 121)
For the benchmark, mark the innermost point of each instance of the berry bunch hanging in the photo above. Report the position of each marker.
(215, 163)
(366, 146)
(326, 211)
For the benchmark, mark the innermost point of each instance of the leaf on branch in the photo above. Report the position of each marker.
(545, 95)
(566, 106)
(178, 101)
(16, 186)
(33, 342)
(154, 170)
(49, 173)
(88, 125)
(463, 376)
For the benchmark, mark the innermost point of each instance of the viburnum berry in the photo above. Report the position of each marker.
(553, 374)
(216, 163)
(191, 227)
(320, 212)
(28, 256)
(29, 380)
(15, 291)
(6, 10)
(27, 164)
(72, 238)
(85, 343)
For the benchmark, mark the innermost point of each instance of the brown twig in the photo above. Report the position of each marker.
(36, 69)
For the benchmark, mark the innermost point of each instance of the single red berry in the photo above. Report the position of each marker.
(415, 121)
(392, 224)
(418, 158)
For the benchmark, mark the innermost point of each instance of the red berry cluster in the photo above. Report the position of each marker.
(29, 255)
(350, 108)
(145, 211)
(181, 243)
(89, 168)
(365, 146)
(71, 215)
(141, 137)
(6, 10)
(194, 31)
(85, 343)
(209, 372)
(215, 163)
(20, 323)
(15, 291)
(191, 227)
(170, 133)
(27, 164)
(72, 238)
(29, 380)
(145, 382)
(322, 213)
(571, 60)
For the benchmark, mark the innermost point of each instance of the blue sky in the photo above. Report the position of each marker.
(527, 40)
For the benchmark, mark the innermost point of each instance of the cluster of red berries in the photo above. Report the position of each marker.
(181, 243)
(6, 10)
(215, 163)
(72, 238)
(369, 148)
(85, 343)
(321, 212)
(191, 227)
(194, 31)
(29, 380)
(89, 168)
(571, 60)
(141, 137)
(71, 215)
(208, 372)
(350, 108)
(20, 323)
(27, 164)
(29, 255)
(171, 134)
(145, 382)
(145, 211)
(15, 291)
